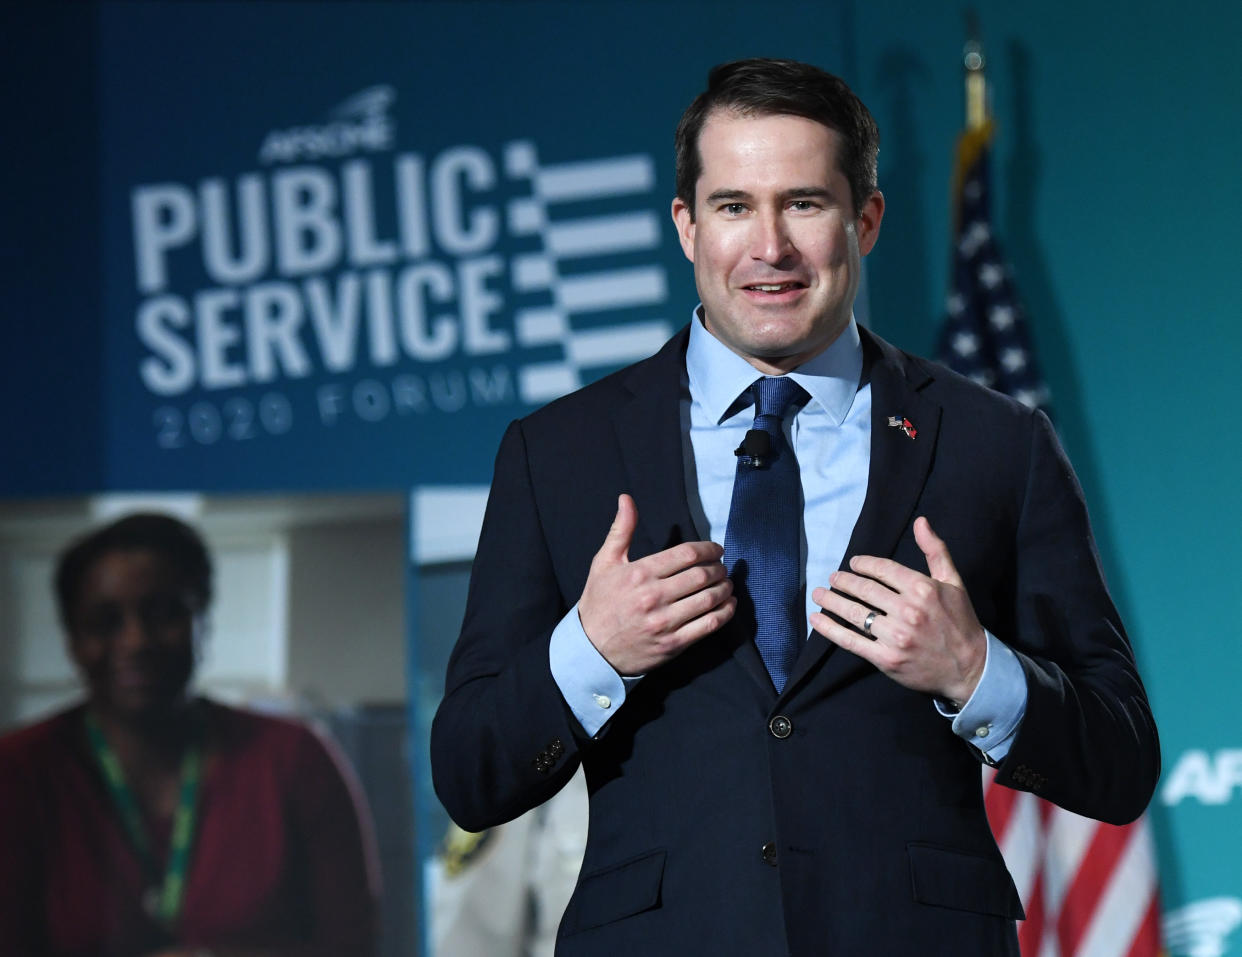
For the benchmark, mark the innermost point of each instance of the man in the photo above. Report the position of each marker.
(751, 795)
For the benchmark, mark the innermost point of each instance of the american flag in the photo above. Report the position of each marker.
(1089, 889)
(985, 335)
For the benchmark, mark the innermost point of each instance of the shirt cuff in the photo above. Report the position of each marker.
(590, 685)
(991, 718)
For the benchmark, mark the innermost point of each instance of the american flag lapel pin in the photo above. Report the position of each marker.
(901, 422)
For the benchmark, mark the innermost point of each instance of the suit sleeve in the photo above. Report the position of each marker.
(503, 739)
(1088, 741)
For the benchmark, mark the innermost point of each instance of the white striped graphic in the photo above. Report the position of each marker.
(617, 344)
(532, 272)
(585, 291)
(618, 289)
(595, 179)
(547, 381)
(526, 216)
(539, 327)
(602, 235)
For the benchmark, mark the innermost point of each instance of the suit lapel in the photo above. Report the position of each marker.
(895, 479)
(899, 463)
(648, 429)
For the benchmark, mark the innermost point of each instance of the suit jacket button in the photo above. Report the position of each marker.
(780, 726)
(769, 854)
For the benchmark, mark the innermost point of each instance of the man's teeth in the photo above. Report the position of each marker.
(778, 287)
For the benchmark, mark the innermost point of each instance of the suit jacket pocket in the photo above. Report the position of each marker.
(621, 890)
(963, 881)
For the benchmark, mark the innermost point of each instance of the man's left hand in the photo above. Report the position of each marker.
(925, 636)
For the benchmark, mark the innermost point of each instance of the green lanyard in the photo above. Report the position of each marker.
(163, 901)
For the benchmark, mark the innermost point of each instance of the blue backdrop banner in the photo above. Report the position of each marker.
(344, 247)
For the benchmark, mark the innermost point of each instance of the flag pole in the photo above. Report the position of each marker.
(976, 85)
(977, 131)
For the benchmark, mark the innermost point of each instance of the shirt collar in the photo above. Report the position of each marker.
(718, 375)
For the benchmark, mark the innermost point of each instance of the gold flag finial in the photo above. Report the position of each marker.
(976, 84)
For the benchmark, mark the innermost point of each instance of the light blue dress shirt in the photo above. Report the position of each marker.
(831, 436)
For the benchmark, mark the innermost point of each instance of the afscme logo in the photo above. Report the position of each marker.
(1202, 928)
(358, 124)
(1211, 779)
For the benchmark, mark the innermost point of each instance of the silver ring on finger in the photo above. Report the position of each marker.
(867, 623)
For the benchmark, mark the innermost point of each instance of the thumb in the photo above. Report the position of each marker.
(616, 547)
(939, 562)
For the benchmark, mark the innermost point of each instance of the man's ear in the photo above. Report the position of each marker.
(684, 222)
(869, 222)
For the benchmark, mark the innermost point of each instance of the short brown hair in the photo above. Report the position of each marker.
(766, 87)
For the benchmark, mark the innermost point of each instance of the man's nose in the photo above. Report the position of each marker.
(772, 242)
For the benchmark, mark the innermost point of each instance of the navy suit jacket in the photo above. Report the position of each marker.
(856, 826)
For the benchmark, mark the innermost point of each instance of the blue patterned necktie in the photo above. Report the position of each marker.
(762, 547)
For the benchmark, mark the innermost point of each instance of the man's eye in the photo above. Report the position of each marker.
(801, 205)
(734, 209)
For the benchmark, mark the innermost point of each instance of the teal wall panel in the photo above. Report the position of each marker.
(1117, 202)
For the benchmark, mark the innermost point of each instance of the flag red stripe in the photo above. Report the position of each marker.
(1031, 930)
(1147, 941)
(1089, 884)
(1000, 802)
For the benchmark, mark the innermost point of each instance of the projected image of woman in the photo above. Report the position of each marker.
(150, 822)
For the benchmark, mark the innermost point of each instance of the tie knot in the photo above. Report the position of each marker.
(773, 394)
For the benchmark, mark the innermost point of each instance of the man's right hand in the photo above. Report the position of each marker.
(639, 615)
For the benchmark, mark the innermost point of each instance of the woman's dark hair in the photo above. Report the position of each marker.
(170, 538)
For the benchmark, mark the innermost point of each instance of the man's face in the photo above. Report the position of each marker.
(775, 241)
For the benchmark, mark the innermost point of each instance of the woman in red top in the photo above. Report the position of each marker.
(147, 822)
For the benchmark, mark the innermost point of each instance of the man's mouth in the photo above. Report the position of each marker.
(774, 288)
